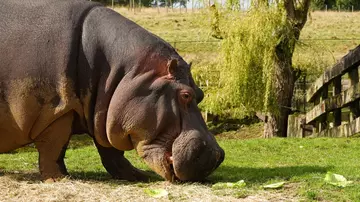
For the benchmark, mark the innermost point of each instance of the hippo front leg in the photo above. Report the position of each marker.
(118, 166)
(51, 145)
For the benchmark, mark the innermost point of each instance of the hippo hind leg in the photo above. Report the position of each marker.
(118, 166)
(51, 145)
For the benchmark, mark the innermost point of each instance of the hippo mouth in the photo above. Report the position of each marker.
(190, 156)
(193, 157)
(170, 162)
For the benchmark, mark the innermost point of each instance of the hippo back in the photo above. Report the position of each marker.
(39, 34)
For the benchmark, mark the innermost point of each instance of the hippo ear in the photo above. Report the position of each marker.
(172, 66)
(190, 64)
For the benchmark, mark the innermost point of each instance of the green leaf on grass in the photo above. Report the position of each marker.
(156, 193)
(223, 185)
(274, 185)
(336, 180)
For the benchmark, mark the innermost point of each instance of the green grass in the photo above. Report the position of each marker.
(302, 163)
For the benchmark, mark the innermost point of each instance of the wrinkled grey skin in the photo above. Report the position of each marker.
(85, 68)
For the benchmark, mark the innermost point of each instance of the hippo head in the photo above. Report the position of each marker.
(154, 110)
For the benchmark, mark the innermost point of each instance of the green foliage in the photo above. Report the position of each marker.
(312, 57)
(248, 52)
(232, 5)
(334, 4)
(347, 4)
(318, 4)
(330, 3)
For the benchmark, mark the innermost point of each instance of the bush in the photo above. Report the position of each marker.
(245, 76)
(318, 4)
(347, 4)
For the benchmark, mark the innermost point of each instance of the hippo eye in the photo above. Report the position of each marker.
(186, 97)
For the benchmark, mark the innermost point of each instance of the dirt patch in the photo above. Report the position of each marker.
(244, 132)
(76, 190)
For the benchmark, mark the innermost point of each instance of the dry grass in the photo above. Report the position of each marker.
(76, 190)
(326, 37)
(171, 26)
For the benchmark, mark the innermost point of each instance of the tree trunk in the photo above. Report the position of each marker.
(276, 123)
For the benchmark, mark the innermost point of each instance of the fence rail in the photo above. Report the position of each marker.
(335, 98)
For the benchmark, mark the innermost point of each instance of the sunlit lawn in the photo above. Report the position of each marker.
(301, 163)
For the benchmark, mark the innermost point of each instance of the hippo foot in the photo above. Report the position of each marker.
(118, 166)
(54, 179)
(130, 174)
(51, 145)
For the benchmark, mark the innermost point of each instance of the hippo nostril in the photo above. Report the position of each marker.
(218, 155)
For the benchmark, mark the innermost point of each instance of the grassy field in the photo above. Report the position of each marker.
(327, 36)
(300, 163)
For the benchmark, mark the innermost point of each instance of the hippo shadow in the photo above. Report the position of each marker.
(104, 176)
(262, 175)
(29, 176)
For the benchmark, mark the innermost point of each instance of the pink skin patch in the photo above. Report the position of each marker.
(169, 157)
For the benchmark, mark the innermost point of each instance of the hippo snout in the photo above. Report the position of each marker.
(195, 156)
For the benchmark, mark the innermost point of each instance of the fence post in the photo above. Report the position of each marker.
(316, 124)
(304, 93)
(134, 5)
(192, 5)
(354, 107)
(157, 6)
(337, 90)
(322, 124)
(167, 6)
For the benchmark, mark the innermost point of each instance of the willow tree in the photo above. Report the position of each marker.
(257, 72)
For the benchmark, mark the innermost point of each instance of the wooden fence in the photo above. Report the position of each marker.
(335, 99)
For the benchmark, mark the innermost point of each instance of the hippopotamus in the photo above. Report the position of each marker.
(73, 67)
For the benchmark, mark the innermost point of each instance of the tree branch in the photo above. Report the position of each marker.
(290, 9)
(297, 11)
